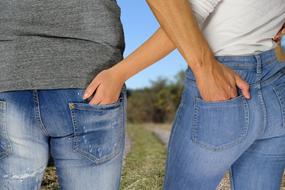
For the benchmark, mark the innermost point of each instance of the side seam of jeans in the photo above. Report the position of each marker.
(174, 126)
(231, 178)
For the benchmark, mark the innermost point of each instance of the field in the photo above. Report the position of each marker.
(143, 167)
(144, 163)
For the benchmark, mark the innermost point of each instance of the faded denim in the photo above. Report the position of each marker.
(86, 141)
(246, 137)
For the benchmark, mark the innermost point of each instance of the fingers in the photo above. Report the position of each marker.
(277, 37)
(243, 85)
(91, 88)
(97, 97)
(101, 97)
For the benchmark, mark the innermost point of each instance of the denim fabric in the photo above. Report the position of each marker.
(86, 141)
(244, 136)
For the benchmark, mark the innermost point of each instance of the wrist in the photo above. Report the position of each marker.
(204, 61)
(118, 73)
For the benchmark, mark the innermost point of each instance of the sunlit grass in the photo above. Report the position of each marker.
(144, 168)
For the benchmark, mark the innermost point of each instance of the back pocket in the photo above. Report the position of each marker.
(221, 124)
(98, 129)
(5, 145)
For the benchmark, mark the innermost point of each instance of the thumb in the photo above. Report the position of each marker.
(243, 85)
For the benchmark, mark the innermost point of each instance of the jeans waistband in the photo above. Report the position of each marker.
(249, 61)
(261, 66)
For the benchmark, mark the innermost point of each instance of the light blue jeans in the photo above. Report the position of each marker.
(86, 141)
(246, 137)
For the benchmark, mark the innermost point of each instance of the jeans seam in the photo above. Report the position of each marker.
(74, 126)
(231, 178)
(171, 137)
(269, 80)
(123, 136)
(38, 112)
(281, 104)
(265, 155)
(263, 107)
(169, 147)
(9, 149)
(195, 123)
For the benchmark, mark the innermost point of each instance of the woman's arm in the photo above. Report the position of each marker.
(151, 51)
(177, 20)
(108, 83)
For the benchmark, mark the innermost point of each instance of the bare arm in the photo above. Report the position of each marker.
(177, 20)
(151, 51)
(109, 82)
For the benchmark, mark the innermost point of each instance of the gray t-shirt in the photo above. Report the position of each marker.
(48, 44)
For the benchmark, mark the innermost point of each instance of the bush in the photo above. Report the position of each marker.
(157, 103)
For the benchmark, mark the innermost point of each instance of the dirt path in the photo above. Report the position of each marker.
(162, 134)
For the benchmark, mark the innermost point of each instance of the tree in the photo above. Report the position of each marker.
(157, 103)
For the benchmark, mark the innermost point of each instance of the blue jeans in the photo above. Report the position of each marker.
(246, 137)
(86, 141)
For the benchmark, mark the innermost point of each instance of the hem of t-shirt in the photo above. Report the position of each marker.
(43, 84)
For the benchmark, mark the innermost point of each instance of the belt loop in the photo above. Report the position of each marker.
(258, 64)
(258, 70)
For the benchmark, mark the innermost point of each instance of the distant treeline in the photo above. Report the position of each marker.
(157, 103)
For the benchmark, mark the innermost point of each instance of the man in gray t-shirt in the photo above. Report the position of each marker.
(50, 51)
(57, 44)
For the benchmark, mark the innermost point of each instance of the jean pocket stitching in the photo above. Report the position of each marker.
(196, 126)
(87, 106)
(216, 103)
(5, 143)
(76, 138)
(281, 100)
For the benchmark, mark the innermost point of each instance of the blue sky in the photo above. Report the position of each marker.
(139, 24)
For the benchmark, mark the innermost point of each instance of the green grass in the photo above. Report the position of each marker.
(50, 179)
(144, 167)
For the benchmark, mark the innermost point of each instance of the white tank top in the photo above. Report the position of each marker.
(239, 27)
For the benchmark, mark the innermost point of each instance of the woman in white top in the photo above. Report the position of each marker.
(232, 111)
